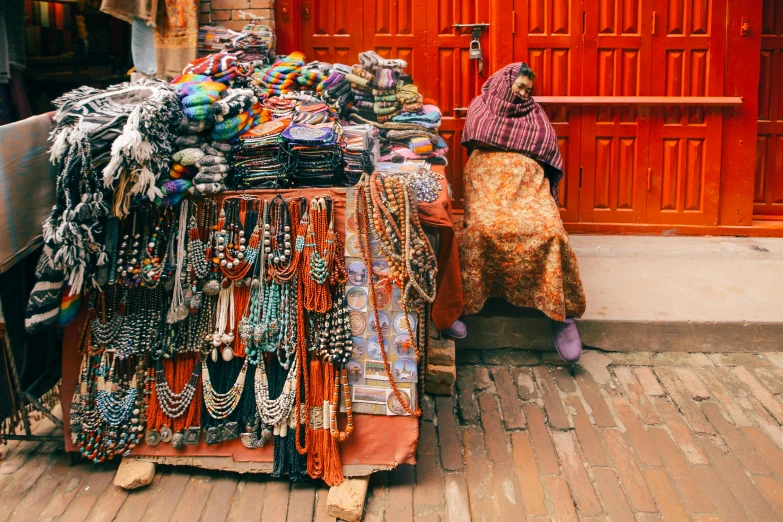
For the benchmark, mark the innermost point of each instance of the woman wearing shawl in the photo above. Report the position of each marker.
(513, 244)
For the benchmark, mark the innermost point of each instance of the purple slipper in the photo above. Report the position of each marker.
(567, 340)
(457, 330)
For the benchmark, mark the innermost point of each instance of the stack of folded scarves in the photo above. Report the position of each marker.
(359, 152)
(282, 76)
(313, 154)
(214, 167)
(387, 76)
(361, 87)
(257, 162)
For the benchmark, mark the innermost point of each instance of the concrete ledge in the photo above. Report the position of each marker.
(659, 294)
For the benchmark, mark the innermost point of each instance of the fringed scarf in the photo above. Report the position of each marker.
(499, 118)
(129, 128)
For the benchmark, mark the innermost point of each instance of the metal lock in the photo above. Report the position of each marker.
(474, 51)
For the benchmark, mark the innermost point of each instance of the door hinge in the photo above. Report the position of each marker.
(580, 177)
(513, 22)
(584, 21)
(649, 178)
(654, 22)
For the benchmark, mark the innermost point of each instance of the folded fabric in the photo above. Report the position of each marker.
(211, 64)
(206, 189)
(420, 145)
(220, 168)
(208, 161)
(358, 82)
(371, 60)
(423, 118)
(408, 94)
(188, 141)
(361, 72)
(181, 171)
(209, 177)
(174, 186)
(188, 156)
(386, 78)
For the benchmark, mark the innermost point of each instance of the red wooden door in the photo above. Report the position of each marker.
(396, 29)
(615, 139)
(768, 192)
(453, 79)
(685, 142)
(548, 36)
(332, 30)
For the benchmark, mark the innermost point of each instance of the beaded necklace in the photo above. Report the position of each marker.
(363, 208)
(221, 405)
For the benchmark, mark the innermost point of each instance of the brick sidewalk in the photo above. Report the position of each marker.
(635, 436)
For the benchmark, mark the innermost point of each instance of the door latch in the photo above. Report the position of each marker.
(474, 50)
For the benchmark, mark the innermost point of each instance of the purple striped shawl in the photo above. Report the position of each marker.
(499, 118)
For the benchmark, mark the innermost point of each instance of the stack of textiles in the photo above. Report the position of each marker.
(336, 89)
(312, 113)
(313, 74)
(254, 44)
(280, 77)
(221, 67)
(197, 93)
(384, 88)
(280, 108)
(418, 142)
(360, 152)
(213, 38)
(313, 154)
(361, 87)
(237, 112)
(257, 161)
(400, 141)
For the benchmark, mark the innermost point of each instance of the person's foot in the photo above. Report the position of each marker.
(567, 340)
(457, 330)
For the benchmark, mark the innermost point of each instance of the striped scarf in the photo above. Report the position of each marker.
(499, 118)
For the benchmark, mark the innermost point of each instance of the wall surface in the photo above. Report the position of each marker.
(227, 12)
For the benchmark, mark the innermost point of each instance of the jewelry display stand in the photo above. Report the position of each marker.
(378, 443)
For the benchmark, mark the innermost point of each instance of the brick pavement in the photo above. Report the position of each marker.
(635, 436)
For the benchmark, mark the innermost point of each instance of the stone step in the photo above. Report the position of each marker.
(645, 293)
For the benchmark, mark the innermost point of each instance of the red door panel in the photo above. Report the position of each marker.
(331, 30)
(396, 29)
(685, 142)
(768, 187)
(615, 140)
(548, 36)
(453, 79)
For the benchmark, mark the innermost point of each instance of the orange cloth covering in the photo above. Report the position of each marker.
(448, 303)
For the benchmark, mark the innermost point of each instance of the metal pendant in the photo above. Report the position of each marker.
(165, 434)
(192, 435)
(227, 354)
(152, 438)
(178, 441)
(212, 287)
(230, 430)
(214, 355)
(212, 435)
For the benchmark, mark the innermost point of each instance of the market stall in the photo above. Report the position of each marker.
(241, 262)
